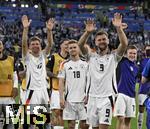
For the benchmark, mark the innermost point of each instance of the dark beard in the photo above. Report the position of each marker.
(104, 48)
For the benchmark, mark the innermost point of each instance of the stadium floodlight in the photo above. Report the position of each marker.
(22, 5)
(26, 5)
(36, 6)
(13, 0)
(14, 5)
(6, 0)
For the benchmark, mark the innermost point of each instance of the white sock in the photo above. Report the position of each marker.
(1, 122)
(140, 120)
(90, 127)
(76, 124)
(58, 127)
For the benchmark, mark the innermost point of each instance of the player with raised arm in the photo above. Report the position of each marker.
(35, 62)
(72, 80)
(102, 67)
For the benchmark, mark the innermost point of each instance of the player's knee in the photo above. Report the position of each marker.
(120, 119)
(127, 121)
(141, 109)
(71, 124)
(103, 126)
(57, 113)
(83, 124)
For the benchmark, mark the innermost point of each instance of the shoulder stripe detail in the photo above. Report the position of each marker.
(29, 97)
(114, 86)
(62, 64)
(29, 81)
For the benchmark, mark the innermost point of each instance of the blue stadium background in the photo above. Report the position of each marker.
(70, 16)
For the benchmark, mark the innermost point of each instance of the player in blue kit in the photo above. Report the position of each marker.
(144, 88)
(146, 78)
(125, 104)
(146, 73)
(147, 104)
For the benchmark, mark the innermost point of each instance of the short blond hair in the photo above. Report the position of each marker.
(35, 38)
(72, 41)
(101, 32)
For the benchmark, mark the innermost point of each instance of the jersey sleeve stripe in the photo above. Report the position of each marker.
(66, 94)
(62, 64)
(113, 86)
(29, 82)
(29, 97)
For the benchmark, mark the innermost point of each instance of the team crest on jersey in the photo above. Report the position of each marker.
(131, 68)
(82, 66)
(107, 58)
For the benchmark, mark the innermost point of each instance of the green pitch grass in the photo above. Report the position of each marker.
(113, 126)
(134, 120)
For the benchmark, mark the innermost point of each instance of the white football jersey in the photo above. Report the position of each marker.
(102, 70)
(75, 75)
(36, 72)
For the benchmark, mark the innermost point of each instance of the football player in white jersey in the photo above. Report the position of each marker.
(102, 67)
(35, 64)
(73, 75)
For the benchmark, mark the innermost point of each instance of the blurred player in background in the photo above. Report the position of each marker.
(146, 79)
(8, 85)
(144, 89)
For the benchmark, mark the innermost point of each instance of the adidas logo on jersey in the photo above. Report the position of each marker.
(107, 121)
(70, 68)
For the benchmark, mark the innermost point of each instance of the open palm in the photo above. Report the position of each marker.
(117, 20)
(90, 25)
(50, 24)
(25, 21)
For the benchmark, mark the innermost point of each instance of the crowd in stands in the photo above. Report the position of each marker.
(70, 24)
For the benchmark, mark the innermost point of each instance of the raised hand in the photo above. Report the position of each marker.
(124, 25)
(90, 25)
(50, 24)
(25, 21)
(117, 21)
